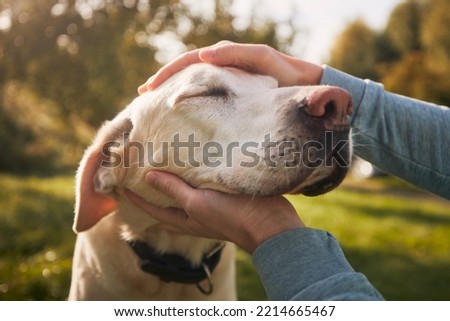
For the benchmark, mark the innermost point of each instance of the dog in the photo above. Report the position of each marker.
(217, 128)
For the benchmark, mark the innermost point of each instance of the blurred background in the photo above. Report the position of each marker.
(68, 65)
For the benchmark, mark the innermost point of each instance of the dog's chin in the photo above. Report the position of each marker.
(324, 185)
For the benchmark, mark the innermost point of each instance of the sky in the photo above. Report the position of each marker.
(321, 20)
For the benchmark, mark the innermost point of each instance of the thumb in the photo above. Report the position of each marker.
(170, 185)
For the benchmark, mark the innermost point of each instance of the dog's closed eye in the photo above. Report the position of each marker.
(219, 92)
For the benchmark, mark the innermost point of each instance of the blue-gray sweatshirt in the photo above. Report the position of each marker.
(402, 136)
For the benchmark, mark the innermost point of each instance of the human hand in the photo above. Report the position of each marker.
(259, 59)
(244, 220)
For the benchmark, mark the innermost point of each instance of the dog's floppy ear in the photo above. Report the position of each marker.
(92, 205)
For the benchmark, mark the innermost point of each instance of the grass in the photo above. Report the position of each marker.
(397, 236)
(36, 241)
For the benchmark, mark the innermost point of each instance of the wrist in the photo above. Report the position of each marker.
(309, 73)
(260, 233)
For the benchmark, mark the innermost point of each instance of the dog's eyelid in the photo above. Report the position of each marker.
(218, 91)
(210, 91)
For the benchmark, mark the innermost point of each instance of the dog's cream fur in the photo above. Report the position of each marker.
(223, 105)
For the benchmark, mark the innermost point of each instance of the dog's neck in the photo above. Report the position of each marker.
(190, 247)
(173, 257)
(137, 225)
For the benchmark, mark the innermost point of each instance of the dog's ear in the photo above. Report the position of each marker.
(93, 182)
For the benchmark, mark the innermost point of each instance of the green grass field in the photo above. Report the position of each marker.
(396, 235)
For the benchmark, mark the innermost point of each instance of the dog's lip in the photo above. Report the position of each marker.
(319, 188)
(327, 184)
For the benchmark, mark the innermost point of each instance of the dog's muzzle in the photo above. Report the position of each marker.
(326, 110)
(327, 184)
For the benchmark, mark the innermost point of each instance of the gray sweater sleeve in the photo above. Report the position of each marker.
(308, 264)
(402, 136)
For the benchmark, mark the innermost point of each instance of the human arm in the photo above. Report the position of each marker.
(293, 261)
(308, 265)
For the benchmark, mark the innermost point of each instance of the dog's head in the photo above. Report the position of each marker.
(218, 128)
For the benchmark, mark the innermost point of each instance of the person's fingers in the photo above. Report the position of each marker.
(223, 53)
(172, 186)
(243, 56)
(143, 88)
(170, 69)
(170, 215)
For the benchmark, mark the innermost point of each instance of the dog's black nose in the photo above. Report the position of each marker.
(333, 102)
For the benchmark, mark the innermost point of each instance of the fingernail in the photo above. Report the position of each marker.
(142, 89)
(207, 54)
(151, 177)
(147, 86)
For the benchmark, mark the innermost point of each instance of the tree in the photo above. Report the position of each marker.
(422, 69)
(355, 50)
(411, 56)
(435, 36)
(404, 25)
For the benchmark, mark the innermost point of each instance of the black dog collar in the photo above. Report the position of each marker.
(176, 268)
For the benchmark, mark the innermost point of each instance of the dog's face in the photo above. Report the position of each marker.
(228, 130)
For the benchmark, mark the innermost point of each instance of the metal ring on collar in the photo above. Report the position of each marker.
(210, 288)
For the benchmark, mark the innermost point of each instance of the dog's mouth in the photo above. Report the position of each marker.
(331, 181)
(327, 184)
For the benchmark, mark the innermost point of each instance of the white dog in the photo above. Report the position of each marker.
(217, 128)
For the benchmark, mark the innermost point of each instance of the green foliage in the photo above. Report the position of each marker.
(34, 131)
(435, 38)
(411, 56)
(390, 232)
(37, 244)
(356, 50)
(79, 62)
(404, 26)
